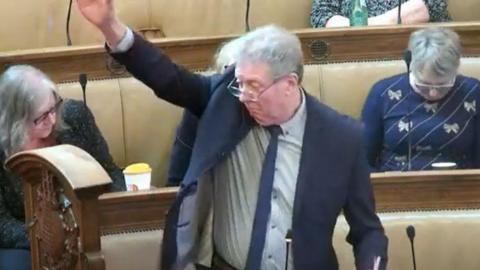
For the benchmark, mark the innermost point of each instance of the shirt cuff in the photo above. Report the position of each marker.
(125, 43)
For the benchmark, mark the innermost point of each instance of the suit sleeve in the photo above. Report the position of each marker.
(373, 132)
(182, 148)
(323, 10)
(366, 232)
(169, 81)
(83, 132)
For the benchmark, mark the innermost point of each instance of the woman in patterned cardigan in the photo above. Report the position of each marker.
(335, 13)
(428, 116)
(32, 115)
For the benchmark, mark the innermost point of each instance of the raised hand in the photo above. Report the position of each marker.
(98, 12)
(101, 13)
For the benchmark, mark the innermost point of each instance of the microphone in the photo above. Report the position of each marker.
(411, 235)
(399, 16)
(247, 16)
(407, 57)
(288, 241)
(82, 78)
(69, 40)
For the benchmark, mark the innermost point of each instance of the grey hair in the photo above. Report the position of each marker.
(435, 50)
(276, 47)
(20, 89)
(227, 54)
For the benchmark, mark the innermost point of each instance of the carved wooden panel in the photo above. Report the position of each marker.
(61, 186)
(55, 226)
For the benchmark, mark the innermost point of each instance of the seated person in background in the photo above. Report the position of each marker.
(335, 13)
(187, 129)
(430, 112)
(32, 115)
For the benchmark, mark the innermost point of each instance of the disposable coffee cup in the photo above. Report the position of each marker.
(138, 176)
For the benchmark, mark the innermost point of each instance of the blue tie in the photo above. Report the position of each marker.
(262, 212)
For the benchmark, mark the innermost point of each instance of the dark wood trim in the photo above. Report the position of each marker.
(131, 211)
(339, 45)
(427, 190)
(394, 191)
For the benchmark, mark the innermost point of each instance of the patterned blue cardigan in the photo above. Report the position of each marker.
(444, 131)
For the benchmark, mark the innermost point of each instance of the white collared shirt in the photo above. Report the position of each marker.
(236, 183)
(125, 43)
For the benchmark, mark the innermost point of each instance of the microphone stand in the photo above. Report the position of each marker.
(247, 17)
(409, 141)
(407, 56)
(411, 235)
(288, 241)
(82, 78)
(69, 40)
(399, 16)
(413, 256)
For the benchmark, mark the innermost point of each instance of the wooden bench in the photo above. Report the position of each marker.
(72, 226)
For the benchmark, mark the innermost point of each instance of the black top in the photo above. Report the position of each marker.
(82, 132)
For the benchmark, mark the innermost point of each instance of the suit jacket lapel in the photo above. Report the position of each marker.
(311, 162)
(222, 126)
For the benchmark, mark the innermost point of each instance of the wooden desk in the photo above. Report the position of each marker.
(124, 211)
(394, 191)
(426, 190)
(66, 217)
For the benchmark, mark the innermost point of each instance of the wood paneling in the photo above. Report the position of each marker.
(52, 174)
(126, 211)
(426, 190)
(342, 44)
(394, 191)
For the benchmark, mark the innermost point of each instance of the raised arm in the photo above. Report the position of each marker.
(101, 13)
(169, 81)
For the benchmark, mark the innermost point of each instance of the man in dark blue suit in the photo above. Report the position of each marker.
(185, 134)
(267, 157)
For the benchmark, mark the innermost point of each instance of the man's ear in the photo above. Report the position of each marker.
(292, 81)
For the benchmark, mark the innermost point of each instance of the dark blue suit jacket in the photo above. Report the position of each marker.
(333, 174)
(182, 148)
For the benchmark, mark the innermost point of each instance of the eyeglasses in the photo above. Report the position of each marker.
(49, 112)
(250, 92)
(442, 89)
